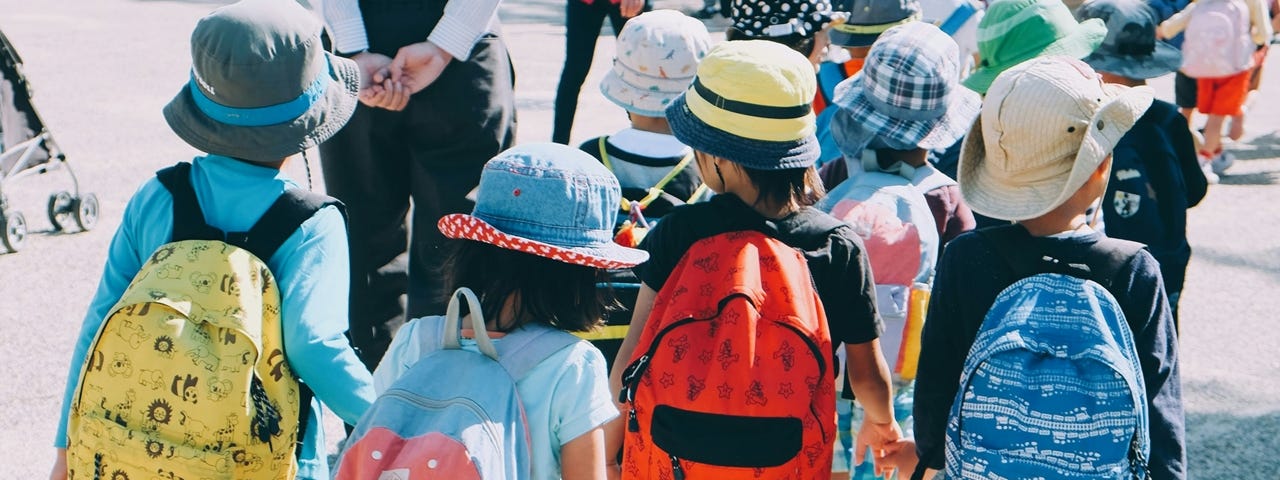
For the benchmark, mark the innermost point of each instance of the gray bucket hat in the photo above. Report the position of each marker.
(869, 18)
(262, 87)
(1130, 48)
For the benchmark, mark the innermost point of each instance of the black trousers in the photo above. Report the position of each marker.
(582, 29)
(428, 155)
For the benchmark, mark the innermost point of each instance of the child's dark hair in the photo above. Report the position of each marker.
(794, 41)
(559, 294)
(780, 187)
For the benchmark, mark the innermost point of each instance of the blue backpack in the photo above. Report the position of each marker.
(428, 426)
(1052, 387)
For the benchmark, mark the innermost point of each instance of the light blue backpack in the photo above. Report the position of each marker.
(1052, 387)
(455, 414)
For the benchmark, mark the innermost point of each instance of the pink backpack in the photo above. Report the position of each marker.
(1217, 40)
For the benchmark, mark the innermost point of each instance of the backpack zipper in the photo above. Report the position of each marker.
(676, 470)
(431, 403)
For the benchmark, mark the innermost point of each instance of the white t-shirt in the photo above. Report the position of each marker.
(564, 397)
(938, 11)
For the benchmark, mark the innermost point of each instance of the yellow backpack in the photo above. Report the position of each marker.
(186, 377)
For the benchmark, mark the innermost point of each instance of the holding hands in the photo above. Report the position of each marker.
(389, 83)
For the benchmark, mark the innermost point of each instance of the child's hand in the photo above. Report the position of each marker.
(879, 437)
(902, 456)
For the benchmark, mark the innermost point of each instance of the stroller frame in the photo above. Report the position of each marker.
(36, 155)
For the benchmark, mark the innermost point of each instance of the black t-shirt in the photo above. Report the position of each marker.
(972, 273)
(1155, 178)
(836, 257)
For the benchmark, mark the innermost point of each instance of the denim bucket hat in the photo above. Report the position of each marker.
(907, 95)
(751, 103)
(1131, 49)
(548, 200)
(867, 19)
(658, 55)
(262, 87)
(1014, 31)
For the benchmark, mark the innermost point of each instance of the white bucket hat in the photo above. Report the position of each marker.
(1045, 126)
(658, 55)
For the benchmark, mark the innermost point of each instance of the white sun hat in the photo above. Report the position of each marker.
(1045, 126)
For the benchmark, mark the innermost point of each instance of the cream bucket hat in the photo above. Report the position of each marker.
(1045, 126)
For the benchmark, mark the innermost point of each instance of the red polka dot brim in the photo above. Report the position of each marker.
(607, 256)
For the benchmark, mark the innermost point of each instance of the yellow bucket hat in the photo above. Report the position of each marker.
(750, 103)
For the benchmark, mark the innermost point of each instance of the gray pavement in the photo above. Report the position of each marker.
(102, 69)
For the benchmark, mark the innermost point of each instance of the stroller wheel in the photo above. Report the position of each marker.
(86, 210)
(15, 230)
(60, 210)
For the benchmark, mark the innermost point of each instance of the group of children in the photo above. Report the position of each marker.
(724, 139)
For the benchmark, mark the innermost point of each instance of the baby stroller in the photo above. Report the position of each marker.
(27, 149)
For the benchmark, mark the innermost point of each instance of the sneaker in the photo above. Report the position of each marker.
(1222, 162)
(1209, 176)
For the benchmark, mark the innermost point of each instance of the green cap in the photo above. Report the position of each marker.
(1014, 31)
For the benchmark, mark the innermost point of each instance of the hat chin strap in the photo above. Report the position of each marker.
(259, 116)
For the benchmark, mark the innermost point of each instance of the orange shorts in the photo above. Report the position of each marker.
(1222, 96)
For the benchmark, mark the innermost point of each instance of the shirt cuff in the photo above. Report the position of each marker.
(349, 35)
(456, 37)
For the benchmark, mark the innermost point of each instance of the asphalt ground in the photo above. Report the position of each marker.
(102, 70)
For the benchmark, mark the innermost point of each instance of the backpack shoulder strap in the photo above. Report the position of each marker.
(290, 210)
(188, 220)
(526, 347)
(1005, 241)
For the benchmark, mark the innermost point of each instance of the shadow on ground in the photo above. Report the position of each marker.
(1265, 262)
(1233, 446)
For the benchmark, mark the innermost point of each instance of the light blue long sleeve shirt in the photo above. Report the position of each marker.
(311, 269)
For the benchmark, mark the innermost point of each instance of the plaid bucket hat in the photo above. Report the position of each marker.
(1045, 126)
(1130, 48)
(658, 54)
(779, 18)
(867, 19)
(262, 87)
(907, 95)
(750, 103)
(1014, 31)
(548, 200)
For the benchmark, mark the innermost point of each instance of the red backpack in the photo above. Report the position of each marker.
(732, 377)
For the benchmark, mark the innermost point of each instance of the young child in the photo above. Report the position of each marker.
(239, 178)
(1039, 155)
(658, 54)
(867, 19)
(533, 251)
(1221, 47)
(928, 109)
(1155, 177)
(749, 120)
(906, 100)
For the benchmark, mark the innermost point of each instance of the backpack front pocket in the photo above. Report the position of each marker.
(726, 440)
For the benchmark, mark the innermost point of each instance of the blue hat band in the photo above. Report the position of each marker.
(261, 116)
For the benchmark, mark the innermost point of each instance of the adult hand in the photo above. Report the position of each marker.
(631, 8)
(376, 88)
(882, 439)
(59, 471)
(418, 65)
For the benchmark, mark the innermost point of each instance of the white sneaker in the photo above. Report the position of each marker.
(1222, 162)
(1209, 176)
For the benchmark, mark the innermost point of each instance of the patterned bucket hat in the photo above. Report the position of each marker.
(1131, 48)
(751, 104)
(1045, 126)
(907, 95)
(548, 200)
(658, 54)
(262, 87)
(780, 18)
(1014, 31)
(867, 19)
